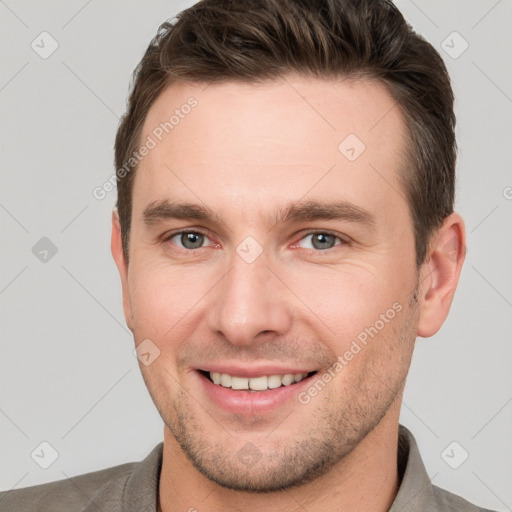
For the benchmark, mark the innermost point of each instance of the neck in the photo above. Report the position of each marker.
(366, 479)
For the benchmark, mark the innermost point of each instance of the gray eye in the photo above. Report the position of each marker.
(323, 241)
(320, 241)
(191, 239)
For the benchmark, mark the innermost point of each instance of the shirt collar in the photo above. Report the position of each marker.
(415, 492)
(141, 489)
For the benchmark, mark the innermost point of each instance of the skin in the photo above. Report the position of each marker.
(245, 152)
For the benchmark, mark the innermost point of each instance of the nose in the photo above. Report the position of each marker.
(249, 303)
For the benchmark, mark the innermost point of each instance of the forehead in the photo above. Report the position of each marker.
(256, 144)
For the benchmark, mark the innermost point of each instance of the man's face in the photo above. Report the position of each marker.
(268, 284)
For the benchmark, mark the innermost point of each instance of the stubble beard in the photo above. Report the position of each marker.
(280, 462)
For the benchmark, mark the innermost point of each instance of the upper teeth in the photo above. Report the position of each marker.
(256, 383)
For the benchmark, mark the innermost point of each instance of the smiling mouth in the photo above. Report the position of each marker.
(255, 384)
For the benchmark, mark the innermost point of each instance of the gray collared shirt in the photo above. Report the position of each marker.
(133, 487)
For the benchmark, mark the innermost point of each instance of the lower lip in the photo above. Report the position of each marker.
(251, 402)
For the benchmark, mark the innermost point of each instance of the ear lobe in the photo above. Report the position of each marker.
(440, 274)
(116, 246)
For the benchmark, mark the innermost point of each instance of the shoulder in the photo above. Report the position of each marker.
(449, 501)
(70, 494)
(416, 491)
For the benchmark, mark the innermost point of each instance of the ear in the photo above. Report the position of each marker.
(440, 273)
(116, 246)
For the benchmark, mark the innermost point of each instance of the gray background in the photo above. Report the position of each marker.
(68, 374)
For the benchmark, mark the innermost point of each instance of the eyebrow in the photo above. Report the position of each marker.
(159, 211)
(330, 210)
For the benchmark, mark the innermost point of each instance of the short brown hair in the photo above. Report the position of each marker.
(256, 40)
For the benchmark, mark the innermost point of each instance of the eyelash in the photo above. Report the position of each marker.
(168, 237)
(343, 241)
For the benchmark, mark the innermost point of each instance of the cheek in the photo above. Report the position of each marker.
(344, 302)
(375, 361)
(165, 298)
(366, 313)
